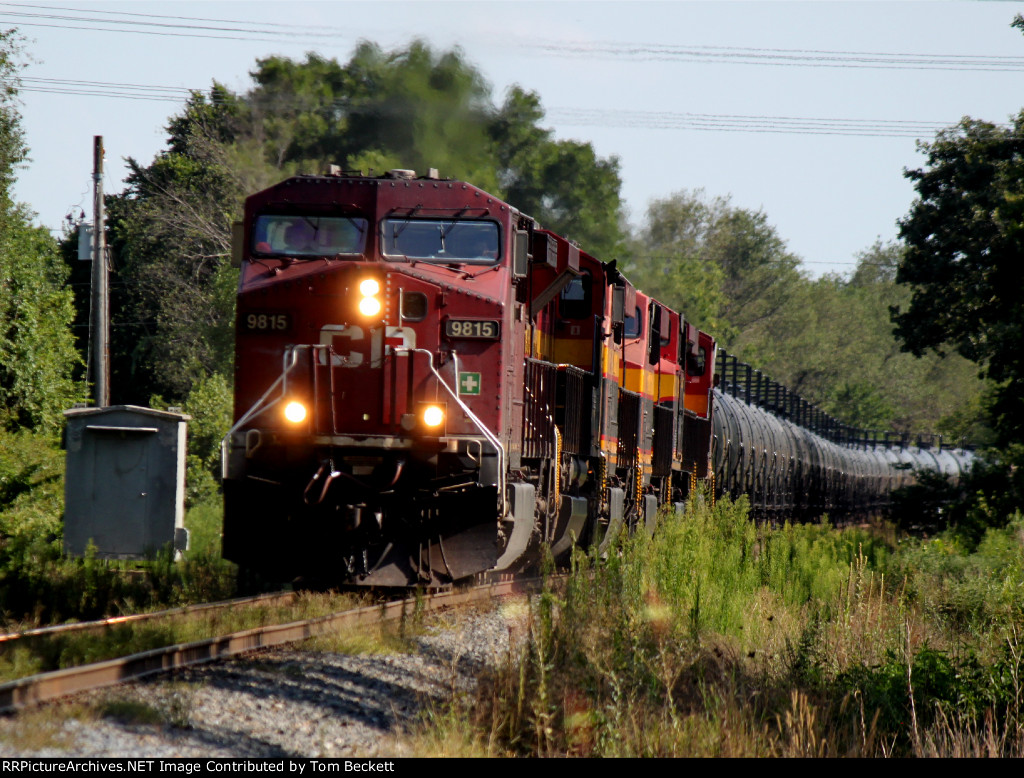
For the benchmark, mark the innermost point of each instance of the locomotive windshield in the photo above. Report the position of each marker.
(308, 236)
(441, 240)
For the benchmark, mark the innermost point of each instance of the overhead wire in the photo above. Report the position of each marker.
(600, 117)
(234, 29)
(203, 26)
(663, 120)
(274, 34)
(275, 26)
(737, 55)
(148, 32)
(603, 117)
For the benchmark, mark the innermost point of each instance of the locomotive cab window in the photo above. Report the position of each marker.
(574, 302)
(660, 337)
(632, 327)
(695, 363)
(308, 236)
(684, 350)
(443, 241)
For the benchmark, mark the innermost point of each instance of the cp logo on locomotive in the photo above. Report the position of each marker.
(349, 345)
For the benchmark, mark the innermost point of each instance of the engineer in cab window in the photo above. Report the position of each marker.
(300, 238)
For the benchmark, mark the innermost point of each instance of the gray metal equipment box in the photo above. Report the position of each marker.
(124, 487)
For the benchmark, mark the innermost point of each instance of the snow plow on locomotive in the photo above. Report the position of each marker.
(428, 385)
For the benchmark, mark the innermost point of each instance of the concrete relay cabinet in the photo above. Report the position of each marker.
(124, 487)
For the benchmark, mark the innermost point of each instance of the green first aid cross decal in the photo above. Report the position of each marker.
(469, 383)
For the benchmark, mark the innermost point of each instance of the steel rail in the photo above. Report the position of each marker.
(274, 598)
(59, 683)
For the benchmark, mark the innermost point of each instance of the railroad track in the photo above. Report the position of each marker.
(59, 683)
(12, 638)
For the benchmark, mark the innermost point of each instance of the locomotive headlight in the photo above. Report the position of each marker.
(295, 412)
(433, 416)
(369, 306)
(369, 288)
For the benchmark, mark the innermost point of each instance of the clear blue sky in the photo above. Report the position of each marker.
(711, 95)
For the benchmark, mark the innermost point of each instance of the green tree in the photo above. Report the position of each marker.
(209, 403)
(668, 259)
(563, 184)
(37, 349)
(173, 300)
(829, 339)
(832, 342)
(37, 354)
(924, 394)
(760, 274)
(724, 267)
(416, 108)
(412, 108)
(965, 239)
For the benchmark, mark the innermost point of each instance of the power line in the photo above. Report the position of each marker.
(234, 29)
(104, 89)
(275, 25)
(736, 55)
(149, 32)
(662, 120)
(584, 117)
(195, 30)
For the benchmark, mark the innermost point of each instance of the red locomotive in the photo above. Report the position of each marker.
(428, 385)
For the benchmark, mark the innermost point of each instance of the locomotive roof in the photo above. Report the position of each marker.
(391, 179)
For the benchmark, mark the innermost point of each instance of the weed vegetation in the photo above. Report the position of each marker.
(719, 637)
(716, 637)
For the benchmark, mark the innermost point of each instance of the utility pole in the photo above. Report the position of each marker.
(100, 298)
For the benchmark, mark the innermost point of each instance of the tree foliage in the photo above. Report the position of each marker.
(965, 239)
(564, 183)
(833, 343)
(829, 339)
(412, 108)
(37, 352)
(725, 268)
(669, 259)
(171, 236)
(37, 355)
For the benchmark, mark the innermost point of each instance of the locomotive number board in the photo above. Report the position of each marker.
(266, 321)
(483, 329)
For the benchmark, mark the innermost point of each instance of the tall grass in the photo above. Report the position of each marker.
(719, 637)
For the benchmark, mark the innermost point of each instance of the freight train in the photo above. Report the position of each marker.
(429, 385)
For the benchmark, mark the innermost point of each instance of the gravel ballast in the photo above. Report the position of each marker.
(285, 702)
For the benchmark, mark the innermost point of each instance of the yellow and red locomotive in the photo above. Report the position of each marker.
(428, 385)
